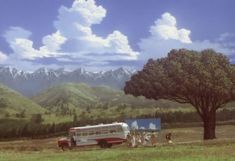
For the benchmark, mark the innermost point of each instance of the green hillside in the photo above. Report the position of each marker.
(80, 96)
(12, 102)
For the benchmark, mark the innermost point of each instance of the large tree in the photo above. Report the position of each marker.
(205, 79)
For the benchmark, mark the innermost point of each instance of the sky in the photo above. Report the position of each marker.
(108, 34)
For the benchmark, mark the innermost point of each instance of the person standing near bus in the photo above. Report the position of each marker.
(142, 138)
(153, 139)
(129, 139)
(72, 139)
(133, 141)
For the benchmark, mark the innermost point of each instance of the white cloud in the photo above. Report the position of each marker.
(75, 43)
(77, 20)
(15, 32)
(17, 38)
(22, 46)
(165, 28)
(165, 36)
(75, 24)
(74, 38)
(3, 57)
(53, 42)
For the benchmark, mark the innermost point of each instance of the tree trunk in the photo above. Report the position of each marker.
(209, 125)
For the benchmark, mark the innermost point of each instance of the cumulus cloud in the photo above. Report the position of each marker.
(165, 36)
(53, 42)
(75, 24)
(74, 43)
(73, 39)
(17, 38)
(77, 20)
(22, 46)
(15, 32)
(166, 28)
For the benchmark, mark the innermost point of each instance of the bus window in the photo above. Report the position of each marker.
(97, 132)
(112, 131)
(91, 132)
(84, 133)
(119, 129)
(105, 130)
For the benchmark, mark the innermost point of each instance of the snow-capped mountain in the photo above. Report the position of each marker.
(31, 83)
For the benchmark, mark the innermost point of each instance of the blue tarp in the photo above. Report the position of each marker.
(153, 124)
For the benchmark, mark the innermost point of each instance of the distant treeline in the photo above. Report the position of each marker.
(187, 117)
(10, 128)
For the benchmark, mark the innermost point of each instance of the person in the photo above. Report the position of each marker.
(168, 138)
(147, 138)
(73, 142)
(133, 141)
(153, 139)
(142, 138)
(138, 139)
(128, 139)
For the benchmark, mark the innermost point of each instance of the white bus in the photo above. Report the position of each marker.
(104, 135)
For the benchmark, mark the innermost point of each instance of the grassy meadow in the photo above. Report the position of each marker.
(223, 152)
(188, 146)
(60, 104)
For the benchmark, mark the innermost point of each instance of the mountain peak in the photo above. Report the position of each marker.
(31, 83)
(10, 71)
(41, 70)
(80, 71)
(123, 70)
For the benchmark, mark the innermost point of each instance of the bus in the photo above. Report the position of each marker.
(104, 135)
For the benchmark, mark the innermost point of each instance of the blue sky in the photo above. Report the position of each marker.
(107, 34)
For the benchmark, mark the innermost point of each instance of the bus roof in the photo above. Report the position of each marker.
(99, 125)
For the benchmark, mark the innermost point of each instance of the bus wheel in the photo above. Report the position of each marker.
(103, 144)
(109, 145)
(65, 147)
(62, 148)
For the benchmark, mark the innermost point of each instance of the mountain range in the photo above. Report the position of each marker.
(30, 83)
(79, 96)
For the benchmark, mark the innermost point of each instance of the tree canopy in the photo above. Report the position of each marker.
(203, 79)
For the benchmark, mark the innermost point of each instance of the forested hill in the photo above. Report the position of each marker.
(12, 102)
(79, 96)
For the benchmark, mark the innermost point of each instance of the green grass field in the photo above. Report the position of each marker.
(209, 152)
(188, 146)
